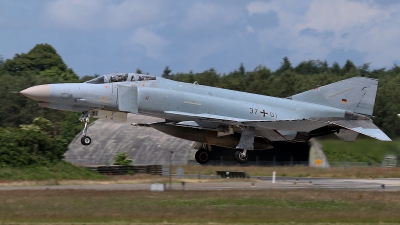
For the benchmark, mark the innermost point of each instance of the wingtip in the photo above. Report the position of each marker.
(384, 139)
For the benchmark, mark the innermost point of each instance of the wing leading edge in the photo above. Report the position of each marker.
(297, 125)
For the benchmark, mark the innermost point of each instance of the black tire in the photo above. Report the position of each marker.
(86, 140)
(202, 156)
(239, 157)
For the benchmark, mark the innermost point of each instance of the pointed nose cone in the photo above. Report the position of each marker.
(39, 93)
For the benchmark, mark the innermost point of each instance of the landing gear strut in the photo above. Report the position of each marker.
(241, 156)
(85, 140)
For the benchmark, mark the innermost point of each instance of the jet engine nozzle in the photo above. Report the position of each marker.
(39, 93)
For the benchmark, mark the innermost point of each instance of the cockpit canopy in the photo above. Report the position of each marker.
(120, 77)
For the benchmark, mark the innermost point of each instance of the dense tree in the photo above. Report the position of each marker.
(311, 67)
(30, 144)
(208, 77)
(335, 69)
(324, 67)
(40, 65)
(364, 69)
(41, 138)
(1, 63)
(55, 74)
(395, 70)
(285, 66)
(166, 72)
(40, 58)
(348, 67)
(242, 70)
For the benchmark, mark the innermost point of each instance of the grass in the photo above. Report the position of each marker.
(272, 206)
(299, 171)
(307, 206)
(56, 171)
(362, 150)
(65, 173)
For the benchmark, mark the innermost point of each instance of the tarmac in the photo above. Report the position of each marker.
(259, 183)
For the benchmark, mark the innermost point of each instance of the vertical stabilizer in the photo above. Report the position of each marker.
(355, 94)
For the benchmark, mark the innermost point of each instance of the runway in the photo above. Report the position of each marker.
(262, 183)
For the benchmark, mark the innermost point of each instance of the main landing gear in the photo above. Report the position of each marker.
(202, 156)
(85, 140)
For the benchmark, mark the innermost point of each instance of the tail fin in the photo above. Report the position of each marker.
(355, 94)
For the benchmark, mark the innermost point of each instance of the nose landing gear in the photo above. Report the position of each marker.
(246, 143)
(85, 140)
(241, 156)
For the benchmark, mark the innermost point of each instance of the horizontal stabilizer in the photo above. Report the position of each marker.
(365, 127)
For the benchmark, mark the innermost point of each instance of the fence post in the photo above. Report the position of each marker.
(170, 170)
(273, 177)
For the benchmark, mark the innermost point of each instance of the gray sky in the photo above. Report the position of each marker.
(103, 36)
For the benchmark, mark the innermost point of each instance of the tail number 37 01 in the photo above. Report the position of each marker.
(263, 112)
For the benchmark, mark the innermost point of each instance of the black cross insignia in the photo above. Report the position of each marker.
(263, 112)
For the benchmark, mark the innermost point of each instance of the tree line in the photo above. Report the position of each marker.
(23, 126)
(30, 134)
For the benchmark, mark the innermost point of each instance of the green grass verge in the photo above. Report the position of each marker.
(299, 171)
(362, 150)
(230, 207)
(58, 171)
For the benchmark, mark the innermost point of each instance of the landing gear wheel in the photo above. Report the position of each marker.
(241, 157)
(202, 156)
(86, 140)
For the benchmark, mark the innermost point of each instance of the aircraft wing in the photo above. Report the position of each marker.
(208, 117)
(297, 125)
(365, 127)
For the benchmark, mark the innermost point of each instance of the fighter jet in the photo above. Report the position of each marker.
(220, 117)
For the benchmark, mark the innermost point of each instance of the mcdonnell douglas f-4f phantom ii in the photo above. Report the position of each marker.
(220, 117)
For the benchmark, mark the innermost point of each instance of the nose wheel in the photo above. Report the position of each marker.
(241, 156)
(85, 140)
